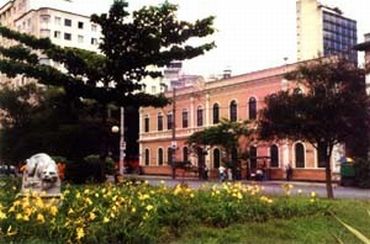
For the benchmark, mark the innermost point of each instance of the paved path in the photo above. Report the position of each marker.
(269, 187)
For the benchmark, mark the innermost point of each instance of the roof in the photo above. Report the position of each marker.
(362, 46)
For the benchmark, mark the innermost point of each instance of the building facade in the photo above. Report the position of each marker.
(235, 98)
(322, 30)
(49, 19)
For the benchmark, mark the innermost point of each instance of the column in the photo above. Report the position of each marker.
(207, 110)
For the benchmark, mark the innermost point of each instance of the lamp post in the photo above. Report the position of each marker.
(122, 143)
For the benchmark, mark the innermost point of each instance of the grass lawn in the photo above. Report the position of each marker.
(312, 229)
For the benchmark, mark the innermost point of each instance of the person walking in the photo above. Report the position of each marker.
(221, 171)
(289, 172)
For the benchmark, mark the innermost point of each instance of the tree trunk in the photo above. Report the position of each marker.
(329, 185)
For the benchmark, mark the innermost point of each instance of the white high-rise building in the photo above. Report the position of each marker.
(62, 21)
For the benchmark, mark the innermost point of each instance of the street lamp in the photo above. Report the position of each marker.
(122, 143)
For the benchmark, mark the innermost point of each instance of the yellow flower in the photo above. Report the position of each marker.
(53, 210)
(92, 216)
(162, 182)
(133, 210)
(299, 191)
(239, 196)
(105, 220)
(313, 194)
(26, 218)
(88, 201)
(40, 218)
(96, 195)
(18, 216)
(2, 215)
(191, 195)
(86, 191)
(312, 200)
(80, 233)
(149, 207)
(70, 211)
(78, 195)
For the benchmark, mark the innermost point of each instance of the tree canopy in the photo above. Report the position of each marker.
(131, 43)
(329, 108)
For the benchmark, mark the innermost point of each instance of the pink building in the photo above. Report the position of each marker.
(239, 98)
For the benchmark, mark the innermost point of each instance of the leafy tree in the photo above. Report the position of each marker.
(226, 135)
(38, 119)
(130, 46)
(330, 109)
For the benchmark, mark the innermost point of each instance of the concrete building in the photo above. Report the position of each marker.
(51, 19)
(236, 98)
(322, 30)
(365, 47)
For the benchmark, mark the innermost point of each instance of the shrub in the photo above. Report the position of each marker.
(362, 169)
(135, 212)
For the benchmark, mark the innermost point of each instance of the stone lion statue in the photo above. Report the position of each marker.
(41, 175)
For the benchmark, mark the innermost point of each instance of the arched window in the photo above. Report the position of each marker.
(216, 113)
(299, 155)
(169, 155)
(160, 122)
(216, 158)
(274, 154)
(146, 157)
(199, 116)
(252, 108)
(321, 156)
(253, 157)
(185, 154)
(160, 156)
(233, 111)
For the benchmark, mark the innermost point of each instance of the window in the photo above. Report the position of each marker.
(43, 19)
(185, 154)
(67, 22)
(185, 120)
(321, 156)
(93, 28)
(274, 154)
(299, 155)
(80, 39)
(57, 34)
(216, 158)
(160, 156)
(216, 113)
(57, 20)
(169, 155)
(146, 124)
(169, 121)
(252, 107)
(253, 157)
(233, 111)
(94, 41)
(67, 36)
(160, 122)
(199, 116)
(146, 157)
(80, 25)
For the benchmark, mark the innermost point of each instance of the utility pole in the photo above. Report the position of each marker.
(122, 143)
(173, 143)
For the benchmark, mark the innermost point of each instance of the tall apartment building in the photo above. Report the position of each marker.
(322, 30)
(52, 19)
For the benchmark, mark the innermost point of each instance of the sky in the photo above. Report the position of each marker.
(251, 35)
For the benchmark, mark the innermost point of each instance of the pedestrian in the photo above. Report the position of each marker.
(289, 172)
(229, 174)
(221, 171)
(205, 172)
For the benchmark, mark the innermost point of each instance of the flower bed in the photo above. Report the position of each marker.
(138, 212)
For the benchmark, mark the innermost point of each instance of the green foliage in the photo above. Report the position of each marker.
(362, 168)
(330, 109)
(137, 212)
(151, 36)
